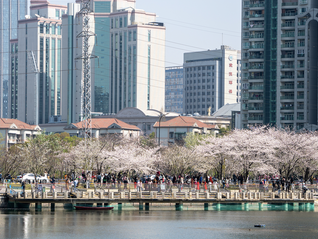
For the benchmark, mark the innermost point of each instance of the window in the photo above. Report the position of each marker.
(135, 35)
(41, 28)
(57, 13)
(120, 23)
(149, 35)
(53, 30)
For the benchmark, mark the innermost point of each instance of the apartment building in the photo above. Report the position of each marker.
(279, 63)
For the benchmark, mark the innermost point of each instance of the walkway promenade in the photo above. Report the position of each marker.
(113, 196)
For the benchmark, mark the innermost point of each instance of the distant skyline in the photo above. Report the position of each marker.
(194, 25)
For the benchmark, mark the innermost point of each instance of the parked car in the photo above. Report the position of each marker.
(29, 177)
(19, 178)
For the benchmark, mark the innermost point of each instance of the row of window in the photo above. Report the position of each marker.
(199, 81)
(199, 87)
(199, 68)
(51, 29)
(199, 106)
(119, 22)
(199, 74)
(199, 93)
(199, 100)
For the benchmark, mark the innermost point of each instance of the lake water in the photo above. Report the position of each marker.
(157, 224)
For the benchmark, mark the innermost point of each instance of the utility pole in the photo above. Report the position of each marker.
(86, 103)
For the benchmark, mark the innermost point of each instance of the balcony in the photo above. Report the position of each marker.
(289, 4)
(300, 97)
(287, 97)
(300, 117)
(257, 46)
(287, 108)
(289, 34)
(301, 55)
(256, 87)
(256, 118)
(288, 66)
(259, 35)
(288, 24)
(287, 77)
(255, 108)
(257, 25)
(287, 117)
(256, 15)
(289, 14)
(287, 56)
(302, 23)
(301, 76)
(256, 98)
(256, 67)
(255, 77)
(259, 57)
(300, 86)
(257, 5)
(303, 2)
(287, 87)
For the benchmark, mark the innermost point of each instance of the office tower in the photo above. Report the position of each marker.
(174, 89)
(40, 43)
(211, 80)
(10, 12)
(129, 68)
(279, 63)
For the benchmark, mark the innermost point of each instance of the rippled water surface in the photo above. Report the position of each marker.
(157, 224)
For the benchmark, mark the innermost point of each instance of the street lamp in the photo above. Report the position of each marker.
(161, 115)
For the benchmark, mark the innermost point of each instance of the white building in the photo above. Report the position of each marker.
(211, 80)
(16, 132)
(176, 129)
(103, 127)
(130, 68)
(41, 35)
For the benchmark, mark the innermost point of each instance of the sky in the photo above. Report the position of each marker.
(194, 25)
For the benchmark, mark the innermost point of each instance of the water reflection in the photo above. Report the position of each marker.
(281, 222)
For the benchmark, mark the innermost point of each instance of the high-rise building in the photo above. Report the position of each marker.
(211, 80)
(40, 43)
(279, 63)
(174, 89)
(10, 12)
(129, 68)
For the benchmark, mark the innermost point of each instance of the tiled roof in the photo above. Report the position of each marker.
(105, 123)
(184, 121)
(7, 123)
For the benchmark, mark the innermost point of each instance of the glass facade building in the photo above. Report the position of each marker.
(10, 12)
(174, 90)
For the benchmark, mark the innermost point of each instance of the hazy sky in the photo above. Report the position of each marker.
(194, 25)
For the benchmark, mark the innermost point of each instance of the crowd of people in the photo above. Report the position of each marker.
(160, 181)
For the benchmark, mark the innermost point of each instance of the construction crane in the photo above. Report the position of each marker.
(86, 103)
(36, 86)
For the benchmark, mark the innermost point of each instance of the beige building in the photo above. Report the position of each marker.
(102, 127)
(176, 129)
(14, 131)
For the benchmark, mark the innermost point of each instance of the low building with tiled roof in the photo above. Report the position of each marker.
(14, 131)
(104, 126)
(178, 127)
